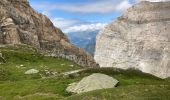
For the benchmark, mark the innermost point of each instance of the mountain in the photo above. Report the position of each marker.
(21, 24)
(90, 47)
(85, 40)
(139, 39)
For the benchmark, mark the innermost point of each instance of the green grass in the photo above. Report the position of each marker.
(15, 85)
(130, 92)
(133, 85)
(20, 60)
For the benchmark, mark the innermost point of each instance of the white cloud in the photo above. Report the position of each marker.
(123, 5)
(95, 6)
(85, 27)
(75, 25)
(64, 23)
(153, 0)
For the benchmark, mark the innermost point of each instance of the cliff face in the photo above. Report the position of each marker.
(20, 24)
(139, 39)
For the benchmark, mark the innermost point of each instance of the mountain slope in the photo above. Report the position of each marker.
(20, 24)
(48, 84)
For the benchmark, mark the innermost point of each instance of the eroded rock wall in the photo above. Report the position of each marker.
(20, 24)
(139, 39)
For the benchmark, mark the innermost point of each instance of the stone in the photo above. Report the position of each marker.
(21, 65)
(93, 82)
(32, 71)
(21, 24)
(2, 59)
(139, 39)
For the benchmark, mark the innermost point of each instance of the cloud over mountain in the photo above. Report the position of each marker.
(100, 6)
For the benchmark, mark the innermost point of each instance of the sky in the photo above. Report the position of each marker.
(82, 15)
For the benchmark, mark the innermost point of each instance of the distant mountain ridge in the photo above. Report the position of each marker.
(85, 40)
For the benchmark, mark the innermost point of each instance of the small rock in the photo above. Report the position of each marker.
(46, 70)
(71, 65)
(21, 65)
(146, 90)
(32, 71)
(18, 67)
(54, 73)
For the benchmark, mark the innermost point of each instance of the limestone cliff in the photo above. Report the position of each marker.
(20, 24)
(139, 39)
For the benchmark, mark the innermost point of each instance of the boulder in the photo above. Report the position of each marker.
(93, 82)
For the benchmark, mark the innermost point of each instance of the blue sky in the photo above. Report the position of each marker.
(81, 15)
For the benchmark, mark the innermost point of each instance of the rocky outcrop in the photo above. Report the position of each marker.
(139, 39)
(93, 82)
(20, 24)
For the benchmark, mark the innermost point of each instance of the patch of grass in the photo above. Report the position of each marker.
(20, 60)
(24, 88)
(131, 92)
(133, 85)
(14, 84)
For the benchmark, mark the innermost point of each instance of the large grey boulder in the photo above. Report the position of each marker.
(92, 82)
(139, 39)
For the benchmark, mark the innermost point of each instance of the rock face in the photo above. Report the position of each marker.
(92, 82)
(20, 24)
(139, 39)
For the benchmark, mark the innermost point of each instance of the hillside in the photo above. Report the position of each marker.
(49, 84)
(38, 62)
(14, 83)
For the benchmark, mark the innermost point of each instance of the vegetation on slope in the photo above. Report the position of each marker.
(133, 85)
(15, 85)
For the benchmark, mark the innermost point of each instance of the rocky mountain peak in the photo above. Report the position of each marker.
(20, 24)
(139, 39)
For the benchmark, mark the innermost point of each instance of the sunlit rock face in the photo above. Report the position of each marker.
(20, 24)
(139, 39)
